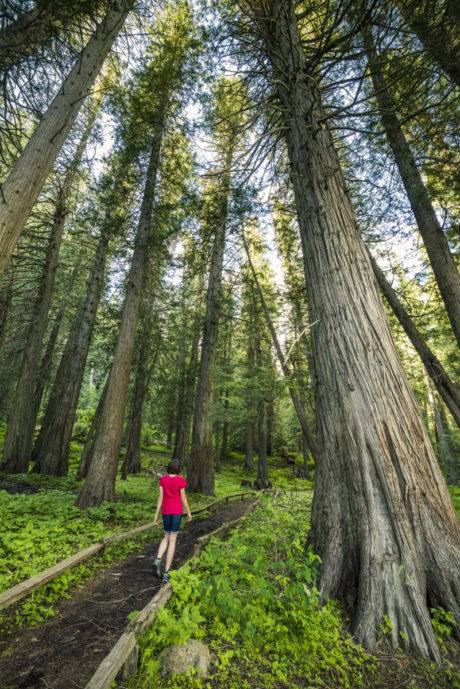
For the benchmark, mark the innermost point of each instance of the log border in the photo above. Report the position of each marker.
(124, 656)
(19, 591)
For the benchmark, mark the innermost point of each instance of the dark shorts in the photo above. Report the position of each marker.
(171, 522)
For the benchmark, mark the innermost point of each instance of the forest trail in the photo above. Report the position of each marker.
(65, 652)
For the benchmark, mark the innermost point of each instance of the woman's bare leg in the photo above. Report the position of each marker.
(171, 550)
(163, 545)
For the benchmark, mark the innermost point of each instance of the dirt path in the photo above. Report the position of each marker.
(65, 652)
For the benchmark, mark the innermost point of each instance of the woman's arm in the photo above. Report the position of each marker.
(185, 504)
(159, 501)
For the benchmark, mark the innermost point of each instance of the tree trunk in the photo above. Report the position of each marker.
(249, 450)
(447, 460)
(270, 418)
(21, 423)
(249, 447)
(51, 451)
(185, 401)
(446, 388)
(87, 454)
(46, 363)
(305, 455)
(262, 471)
(6, 294)
(217, 447)
(383, 522)
(27, 176)
(25, 35)
(299, 410)
(434, 32)
(23, 415)
(146, 362)
(223, 454)
(452, 459)
(100, 480)
(200, 475)
(434, 239)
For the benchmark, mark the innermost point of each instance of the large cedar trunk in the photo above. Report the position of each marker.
(447, 389)
(434, 239)
(383, 522)
(51, 450)
(101, 476)
(27, 176)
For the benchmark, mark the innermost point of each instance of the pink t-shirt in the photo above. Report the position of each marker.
(172, 502)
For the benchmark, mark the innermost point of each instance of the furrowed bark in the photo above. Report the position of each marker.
(383, 522)
(447, 389)
(28, 174)
(101, 476)
(435, 241)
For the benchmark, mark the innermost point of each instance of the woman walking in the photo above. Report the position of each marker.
(172, 501)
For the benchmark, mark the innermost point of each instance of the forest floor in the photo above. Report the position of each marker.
(65, 651)
(251, 597)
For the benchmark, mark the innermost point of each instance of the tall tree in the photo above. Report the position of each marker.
(165, 77)
(392, 540)
(436, 244)
(227, 132)
(21, 421)
(27, 176)
(51, 448)
(148, 349)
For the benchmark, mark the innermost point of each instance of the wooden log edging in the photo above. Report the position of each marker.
(124, 656)
(19, 591)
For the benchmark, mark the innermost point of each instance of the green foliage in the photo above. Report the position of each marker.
(46, 527)
(443, 624)
(253, 598)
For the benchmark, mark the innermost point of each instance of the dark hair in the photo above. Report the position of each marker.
(173, 467)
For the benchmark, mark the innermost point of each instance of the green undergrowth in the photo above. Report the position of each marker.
(253, 599)
(39, 606)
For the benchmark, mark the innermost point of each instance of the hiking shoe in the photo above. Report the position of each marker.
(157, 567)
(166, 578)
